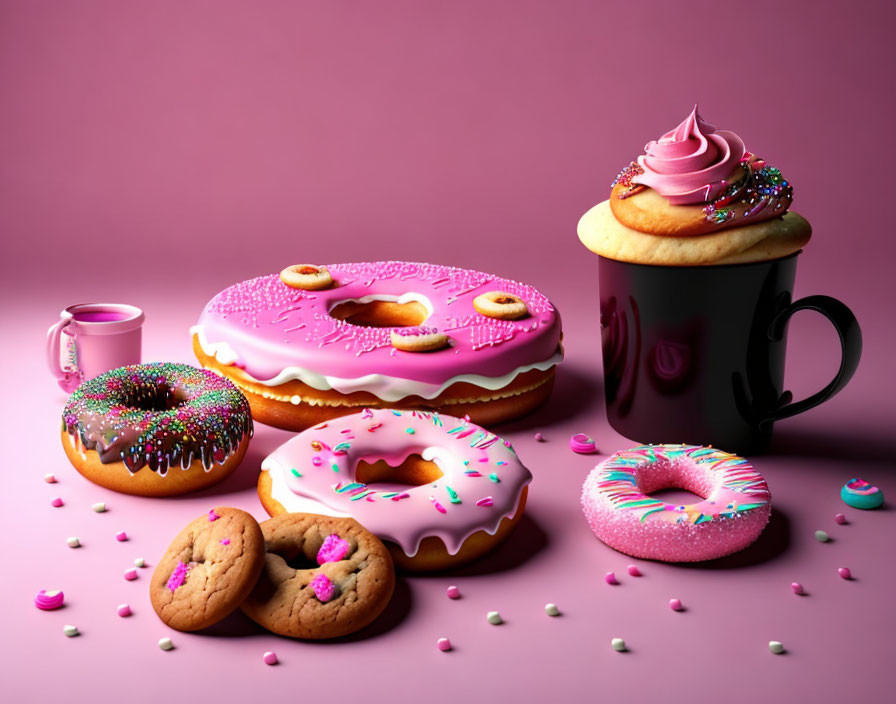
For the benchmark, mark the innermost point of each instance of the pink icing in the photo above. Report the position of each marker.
(269, 326)
(691, 163)
(617, 505)
(394, 511)
(333, 549)
(323, 587)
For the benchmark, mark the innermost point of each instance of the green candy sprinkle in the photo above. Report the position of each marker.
(295, 472)
(453, 494)
(494, 477)
(410, 431)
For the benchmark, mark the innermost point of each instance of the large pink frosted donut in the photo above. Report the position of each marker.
(617, 504)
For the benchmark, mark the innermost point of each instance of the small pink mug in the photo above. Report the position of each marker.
(92, 338)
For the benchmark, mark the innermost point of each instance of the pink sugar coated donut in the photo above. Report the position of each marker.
(124, 610)
(840, 519)
(582, 444)
(634, 571)
(844, 573)
(270, 658)
(57, 502)
(610, 578)
(675, 605)
(121, 536)
(333, 549)
(130, 575)
(617, 503)
(49, 601)
(323, 587)
(443, 644)
(453, 592)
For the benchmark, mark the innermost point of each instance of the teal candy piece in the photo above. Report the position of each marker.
(860, 494)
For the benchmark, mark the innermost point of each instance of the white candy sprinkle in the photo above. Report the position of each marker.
(494, 618)
(99, 507)
(139, 562)
(776, 647)
(618, 645)
(70, 631)
(166, 644)
(821, 536)
(551, 610)
(73, 542)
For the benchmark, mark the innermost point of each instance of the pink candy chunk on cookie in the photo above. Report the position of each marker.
(333, 549)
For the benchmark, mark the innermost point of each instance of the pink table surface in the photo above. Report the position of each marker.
(156, 152)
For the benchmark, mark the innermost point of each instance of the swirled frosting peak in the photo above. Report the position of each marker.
(692, 163)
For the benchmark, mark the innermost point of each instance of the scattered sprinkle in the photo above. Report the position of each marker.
(57, 502)
(675, 605)
(139, 562)
(71, 631)
(840, 519)
(49, 601)
(225, 541)
(634, 571)
(297, 473)
(100, 507)
(582, 444)
(610, 578)
(844, 573)
(776, 647)
(494, 618)
(539, 437)
(618, 645)
(323, 587)
(821, 536)
(453, 592)
(439, 507)
(333, 549)
(494, 478)
(551, 610)
(121, 536)
(130, 575)
(270, 658)
(124, 610)
(797, 588)
(443, 644)
(410, 431)
(50, 478)
(73, 542)
(486, 502)
(212, 516)
(166, 644)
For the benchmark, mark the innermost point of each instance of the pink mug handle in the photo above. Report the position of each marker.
(54, 335)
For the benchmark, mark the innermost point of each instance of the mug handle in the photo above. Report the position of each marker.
(54, 334)
(847, 328)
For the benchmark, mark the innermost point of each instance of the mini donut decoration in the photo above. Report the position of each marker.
(306, 277)
(157, 429)
(418, 339)
(501, 305)
(438, 490)
(617, 503)
(860, 494)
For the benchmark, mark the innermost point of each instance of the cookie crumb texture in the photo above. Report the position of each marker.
(284, 601)
(212, 578)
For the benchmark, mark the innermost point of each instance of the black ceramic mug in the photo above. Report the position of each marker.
(696, 354)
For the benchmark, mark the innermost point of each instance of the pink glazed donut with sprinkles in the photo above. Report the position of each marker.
(618, 506)
(438, 490)
(318, 342)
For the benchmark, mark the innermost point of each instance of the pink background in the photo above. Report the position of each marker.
(156, 152)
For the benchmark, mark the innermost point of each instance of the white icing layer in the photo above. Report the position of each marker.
(387, 388)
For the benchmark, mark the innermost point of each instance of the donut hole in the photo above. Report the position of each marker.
(674, 482)
(298, 560)
(155, 398)
(413, 471)
(381, 314)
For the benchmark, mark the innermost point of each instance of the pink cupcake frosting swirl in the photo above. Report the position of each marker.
(690, 164)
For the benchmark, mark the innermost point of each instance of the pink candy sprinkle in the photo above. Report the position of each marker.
(610, 578)
(333, 549)
(845, 573)
(443, 644)
(225, 541)
(539, 437)
(634, 571)
(212, 516)
(57, 502)
(487, 501)
(50, 478)
(675, 604)
(797, 588)
(840, 519)
(439, 507)
(130, 575)
(316, 461)
(323, 587)
(453, 592)
(121, 536)
(48, 601)
(270, 658)
(124, 610)
(582, 444)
